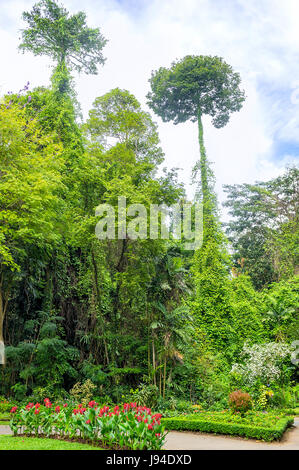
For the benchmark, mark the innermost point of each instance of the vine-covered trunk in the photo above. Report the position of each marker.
(203, 163)
(208, 198)
(3, 309)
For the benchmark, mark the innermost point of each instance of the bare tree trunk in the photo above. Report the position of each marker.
(154, 359)
(160, 383)
(3, 308)
(164, 381)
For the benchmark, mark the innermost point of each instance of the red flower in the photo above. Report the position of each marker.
(14, 409)
(150, 426)
(88, 421)
(65, 405)
(57, 409)
(36, 412)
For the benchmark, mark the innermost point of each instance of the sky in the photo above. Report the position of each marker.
(259, 38)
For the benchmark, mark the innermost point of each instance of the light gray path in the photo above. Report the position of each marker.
(5, 430)
(201, 441)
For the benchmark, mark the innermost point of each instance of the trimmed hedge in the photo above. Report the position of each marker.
(235, 429)
(290, 411)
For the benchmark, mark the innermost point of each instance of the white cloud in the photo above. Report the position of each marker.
(258, 38)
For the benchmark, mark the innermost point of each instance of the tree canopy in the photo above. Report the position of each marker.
(196, 84)
(66, 38)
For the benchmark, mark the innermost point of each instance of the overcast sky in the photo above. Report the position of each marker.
(259, 38)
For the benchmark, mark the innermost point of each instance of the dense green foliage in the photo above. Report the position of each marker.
(264, 228)
(53, 32)
(139, 319)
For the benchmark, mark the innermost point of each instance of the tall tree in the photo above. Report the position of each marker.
(264, 227)
(193, 87)
(30, 166)
(66, 38)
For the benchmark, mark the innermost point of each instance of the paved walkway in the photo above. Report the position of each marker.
(201, 441)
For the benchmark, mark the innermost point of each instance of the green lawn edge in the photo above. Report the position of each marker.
(38, 443)
(234, 429)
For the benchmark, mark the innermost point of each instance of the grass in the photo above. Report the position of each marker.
(37, 443)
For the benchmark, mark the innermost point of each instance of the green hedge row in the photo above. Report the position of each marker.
(235, 429)
(290, 411)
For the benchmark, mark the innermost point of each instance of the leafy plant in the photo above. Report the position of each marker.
(240, 402)
(83, 392)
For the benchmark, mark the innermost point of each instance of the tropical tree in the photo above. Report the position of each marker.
(30, 166)
(263, 229)
(193, 87)
(66, 38)
(117, 117)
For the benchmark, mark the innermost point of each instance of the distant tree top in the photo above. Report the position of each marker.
(66, 38)
(196, 84)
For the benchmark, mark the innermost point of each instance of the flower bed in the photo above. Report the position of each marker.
(254, 425)
(126, 427)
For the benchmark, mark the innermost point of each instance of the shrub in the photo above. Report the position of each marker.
(240, 402)
(145, 394)
(264, 397)
(83, 392)
(264, 363)
(5, 405)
